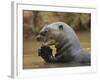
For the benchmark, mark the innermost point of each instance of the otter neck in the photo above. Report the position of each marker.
(59, 40)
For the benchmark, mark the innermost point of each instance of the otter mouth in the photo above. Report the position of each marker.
(48, 43)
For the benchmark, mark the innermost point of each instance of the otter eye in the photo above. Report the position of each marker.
(43, 33)
(46, 31)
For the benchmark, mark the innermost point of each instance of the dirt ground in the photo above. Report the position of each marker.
(31, 59)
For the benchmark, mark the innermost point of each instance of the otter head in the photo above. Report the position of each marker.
(49, 35)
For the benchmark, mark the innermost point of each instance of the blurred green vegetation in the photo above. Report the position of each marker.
(78, 21)
(34, 21)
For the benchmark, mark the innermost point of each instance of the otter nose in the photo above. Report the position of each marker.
(38, 38)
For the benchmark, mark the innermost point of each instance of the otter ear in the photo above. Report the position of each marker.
(61, 27)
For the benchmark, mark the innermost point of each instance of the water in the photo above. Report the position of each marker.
(31, 59)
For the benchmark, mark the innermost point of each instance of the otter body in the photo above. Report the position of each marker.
(67, 44)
